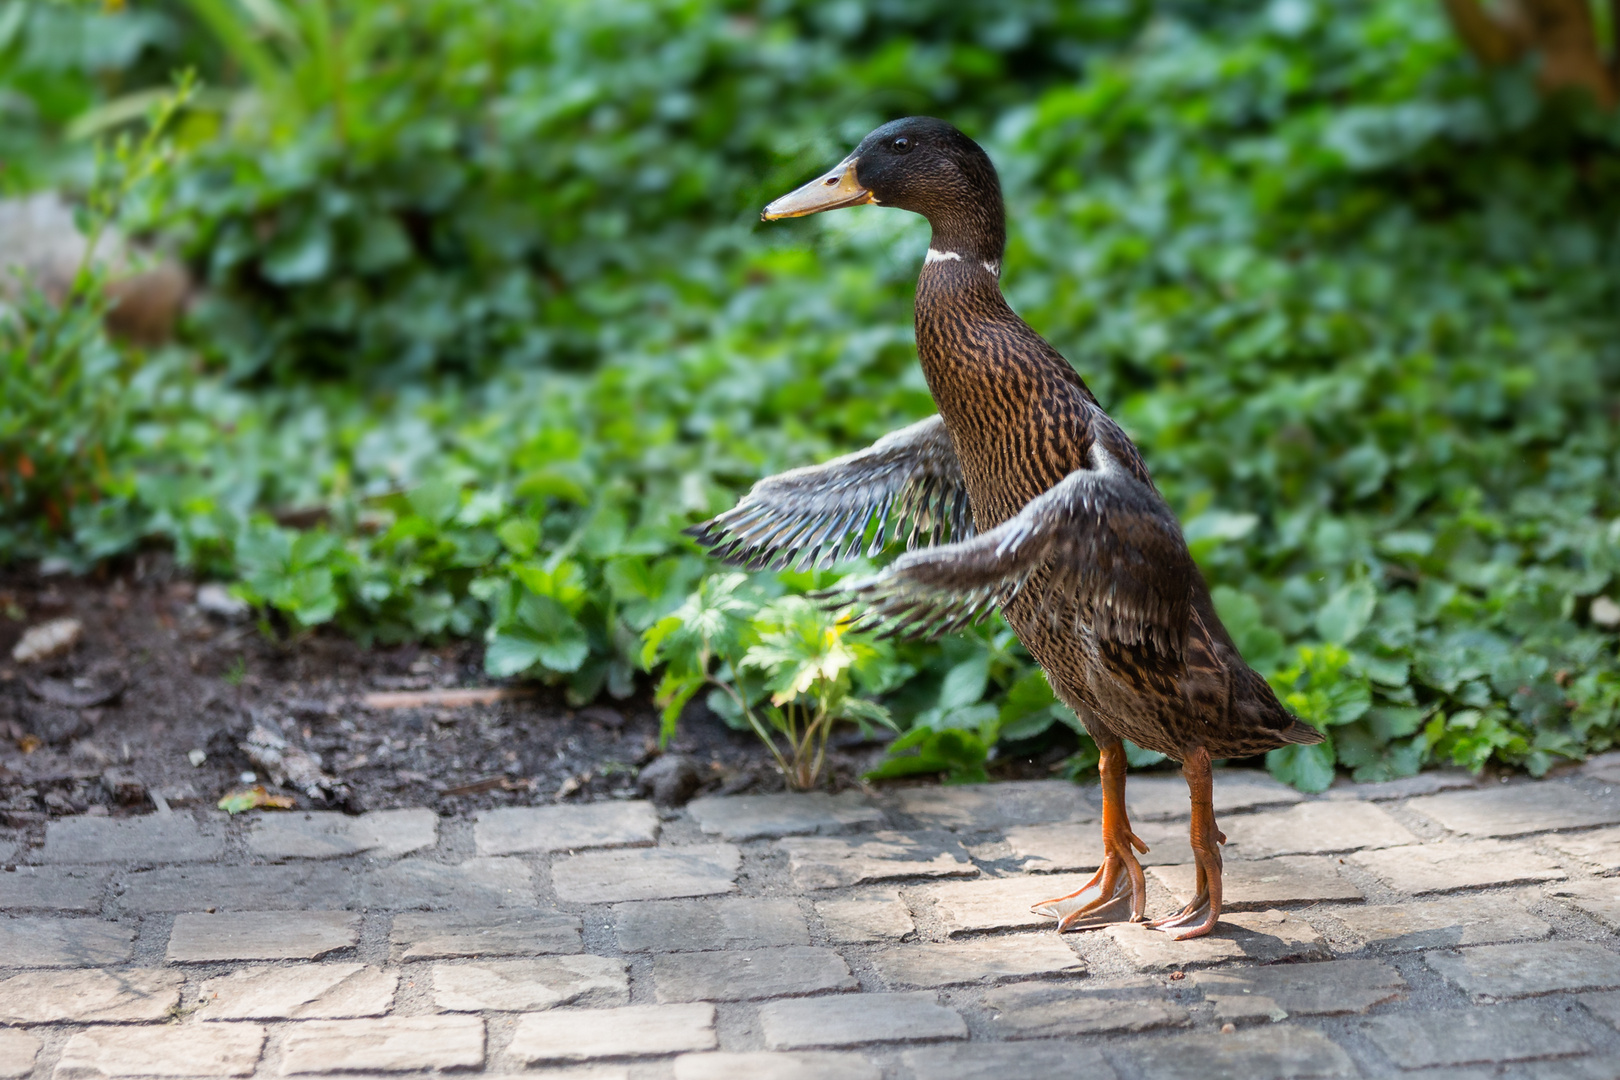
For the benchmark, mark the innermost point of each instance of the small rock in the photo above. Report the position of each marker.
(214, 599)
(124, 786)
(660, 926)
(181, 794)
(869, 915)
(671, 780)
(47, 640)
(56, 726)
(829, 862)
(1605, 612)
(606, 877)
(521, 830)
(44, 249)
(1266, 937)
(612, 719)
(78, 694)
(384, 1044)
(852, 1019)
(151, 1050)
(983, 960)
(1041, 1009)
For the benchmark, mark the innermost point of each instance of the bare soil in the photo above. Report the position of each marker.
(181, 684)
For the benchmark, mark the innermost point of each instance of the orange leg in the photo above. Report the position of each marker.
(1117, 892)
(1199, 916)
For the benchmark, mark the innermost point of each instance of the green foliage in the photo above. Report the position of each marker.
(788, 669)
(68, 411)
(1328, 244)
(463, 185)
(488, 304)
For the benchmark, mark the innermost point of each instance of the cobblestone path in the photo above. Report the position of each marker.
(1429, 928)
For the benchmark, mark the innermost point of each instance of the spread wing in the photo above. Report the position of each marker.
(909, 481)
(1101, 547)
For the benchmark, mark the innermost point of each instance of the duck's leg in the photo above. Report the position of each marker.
(1199, 916)
(1117, 892)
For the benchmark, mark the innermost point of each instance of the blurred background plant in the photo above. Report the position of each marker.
(67, 413)
(486, 317)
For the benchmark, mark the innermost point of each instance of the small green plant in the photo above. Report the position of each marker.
(788, 669)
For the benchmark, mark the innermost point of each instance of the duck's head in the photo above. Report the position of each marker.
(919, 164)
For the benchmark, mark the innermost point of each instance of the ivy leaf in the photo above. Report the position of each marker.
(382, 243)
(1323, 687)
(1346, 613)
(1260, 646)
(1207, 532)
(965, 683)
(299, 256)
(1308, 768)
(544, 635)
(959, 754)
(520, 536)
(435, 501)
(1138, 758)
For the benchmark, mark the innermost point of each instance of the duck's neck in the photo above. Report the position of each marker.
(973, 232)
(959, 309)
(960, 283)
(967, 336)
(994, 379)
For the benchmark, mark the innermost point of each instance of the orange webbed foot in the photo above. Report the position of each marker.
(1117, 892)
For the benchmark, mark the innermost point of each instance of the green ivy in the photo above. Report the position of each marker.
(506, 325)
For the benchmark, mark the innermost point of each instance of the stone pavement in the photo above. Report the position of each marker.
(1433, 928)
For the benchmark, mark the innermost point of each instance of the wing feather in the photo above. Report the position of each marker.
(909, 482)
(1101, 546)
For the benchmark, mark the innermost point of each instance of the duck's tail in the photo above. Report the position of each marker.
(1299, 733)
(1258, 707)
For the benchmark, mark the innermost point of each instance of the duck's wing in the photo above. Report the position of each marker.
(909, 481)
(1101, 546)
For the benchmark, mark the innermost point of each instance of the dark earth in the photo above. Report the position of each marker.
(113, 725)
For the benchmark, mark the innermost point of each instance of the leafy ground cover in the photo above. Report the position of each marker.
(489, 321)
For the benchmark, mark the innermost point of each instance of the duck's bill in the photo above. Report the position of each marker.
(836, 189)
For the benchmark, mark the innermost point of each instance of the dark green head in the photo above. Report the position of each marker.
(919, 164)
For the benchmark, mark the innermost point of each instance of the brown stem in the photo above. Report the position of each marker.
(1565, 35)
(1561, 33)
(1494, 40)
(1614, 40)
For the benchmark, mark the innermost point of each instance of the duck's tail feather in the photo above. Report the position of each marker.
(1299, 733)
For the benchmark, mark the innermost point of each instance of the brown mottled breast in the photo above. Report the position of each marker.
(1015, 409)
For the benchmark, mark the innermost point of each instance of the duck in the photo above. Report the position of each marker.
(1020, 494)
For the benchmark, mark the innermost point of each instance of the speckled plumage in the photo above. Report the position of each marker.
(1068, 535)
(1021, 421)
(1087, 562)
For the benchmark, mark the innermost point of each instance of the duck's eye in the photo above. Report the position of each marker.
(902, 145)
